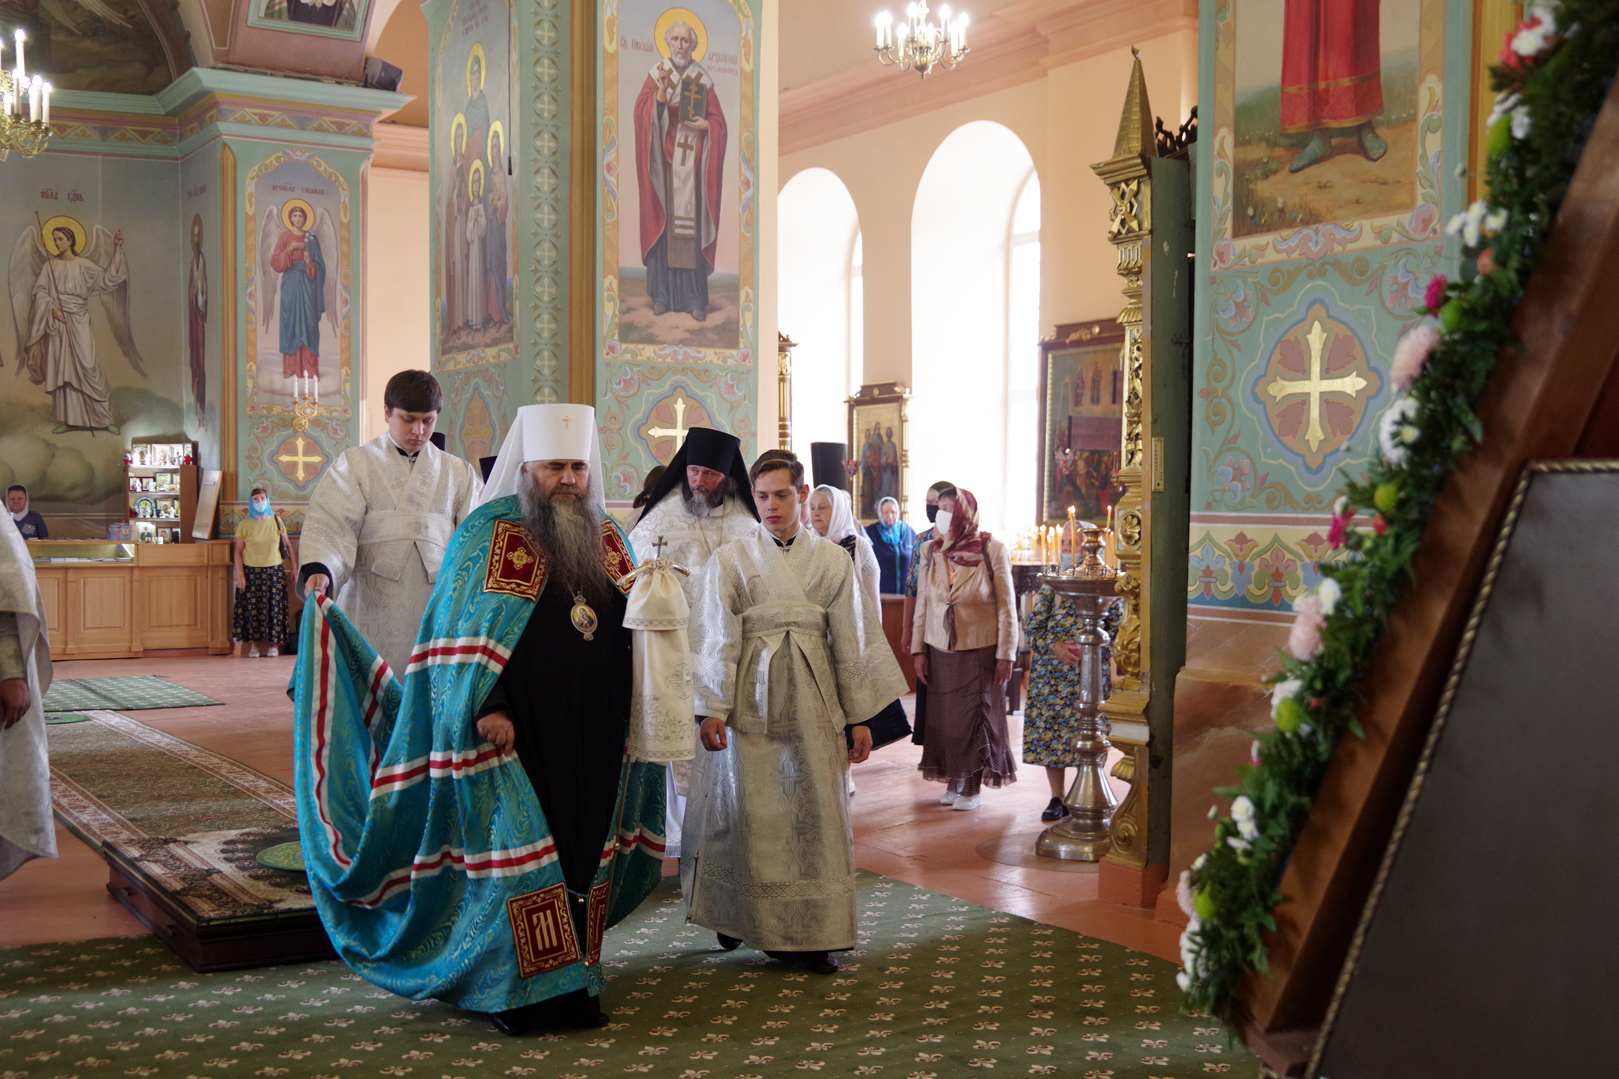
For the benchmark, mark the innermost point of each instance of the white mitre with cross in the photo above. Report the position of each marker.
(561, 432)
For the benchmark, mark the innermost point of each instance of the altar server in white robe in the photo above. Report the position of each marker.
(701, 504)
(788, 652)
(381, 517)
(26, 828)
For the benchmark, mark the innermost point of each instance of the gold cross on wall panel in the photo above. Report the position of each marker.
(1315, 386)
(300, 458)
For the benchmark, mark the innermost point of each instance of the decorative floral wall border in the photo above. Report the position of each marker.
(1555, 69)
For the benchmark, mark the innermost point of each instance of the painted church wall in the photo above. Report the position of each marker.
(678, 232)
(1305, 276)
(68, 457)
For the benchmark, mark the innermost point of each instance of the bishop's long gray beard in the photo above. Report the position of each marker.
(568, 532)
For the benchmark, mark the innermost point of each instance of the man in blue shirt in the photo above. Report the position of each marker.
(29, 523)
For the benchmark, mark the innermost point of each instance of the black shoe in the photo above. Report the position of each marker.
(730, 944)
(509, 1023)
(814, 962)
(826, 965)
(1055, 810)
(578, 1010)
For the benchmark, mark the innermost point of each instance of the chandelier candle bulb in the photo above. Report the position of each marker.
(20, 37)
(45, 104)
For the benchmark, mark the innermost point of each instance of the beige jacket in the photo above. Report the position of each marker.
(982, 597)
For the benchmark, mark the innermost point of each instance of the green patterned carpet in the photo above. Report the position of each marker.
(132, 693)
(939, 988)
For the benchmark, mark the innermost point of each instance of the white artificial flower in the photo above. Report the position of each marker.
(1521, 122)
(1202, 860)
(1214, 811)
(1242, 811)
(1184, 980)
(1305, 728)
(1284, 690)
(1495, 221)
(1340, 504)
(1533, 37)
(1394, 432)
(1330, 593)
(1241, 846)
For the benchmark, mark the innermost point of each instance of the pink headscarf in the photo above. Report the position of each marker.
(964, 544)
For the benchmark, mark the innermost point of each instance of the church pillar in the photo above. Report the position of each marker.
(272, 174)
(566, 140)
(1151, 228)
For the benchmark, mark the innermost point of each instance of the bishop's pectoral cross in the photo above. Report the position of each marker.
(678, 431)
(1315, 387)
(658, 547)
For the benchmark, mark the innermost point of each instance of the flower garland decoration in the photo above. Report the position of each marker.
(1551, 78)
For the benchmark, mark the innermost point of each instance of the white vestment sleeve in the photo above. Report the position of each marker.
(870, 574)
(716, 638)
(27, 829)
(11, 662)
(331, 533)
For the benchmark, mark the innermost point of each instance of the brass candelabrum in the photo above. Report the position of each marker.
(1091, 587)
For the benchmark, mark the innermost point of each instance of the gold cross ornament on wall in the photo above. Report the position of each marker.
(1315, 387)
(678, 431)
(300, 458)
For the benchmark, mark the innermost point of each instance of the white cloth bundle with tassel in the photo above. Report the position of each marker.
(661, 713)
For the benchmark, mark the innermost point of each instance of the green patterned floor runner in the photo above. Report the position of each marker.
(939, 988)
(126, 694)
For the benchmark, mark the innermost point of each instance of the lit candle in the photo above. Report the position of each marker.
(45, 106)
(33, 100)
(1073, 549)
(21, 66)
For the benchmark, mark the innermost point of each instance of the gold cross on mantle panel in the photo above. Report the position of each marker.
(1315, 386)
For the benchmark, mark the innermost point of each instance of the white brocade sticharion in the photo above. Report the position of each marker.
(688, 541)
(27, 829)
(380, 523)
(788, 651)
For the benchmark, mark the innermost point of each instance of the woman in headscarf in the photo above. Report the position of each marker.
(261, 577)
(893, 542)
(831, 515)
(963, 641)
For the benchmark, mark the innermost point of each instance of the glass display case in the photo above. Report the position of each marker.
(160, 479)
(61, 551)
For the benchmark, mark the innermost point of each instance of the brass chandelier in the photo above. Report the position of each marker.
(25, 106)
(920, 44)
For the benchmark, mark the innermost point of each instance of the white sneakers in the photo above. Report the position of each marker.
(963, 802)
(252, 651)
(273, 652)
(949, 798)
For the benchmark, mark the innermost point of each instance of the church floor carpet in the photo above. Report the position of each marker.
(192, 823)
(938, 988)
(123, 694)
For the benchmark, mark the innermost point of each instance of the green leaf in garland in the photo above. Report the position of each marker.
(1289, 714)
(1451, 315)
(1387, 497)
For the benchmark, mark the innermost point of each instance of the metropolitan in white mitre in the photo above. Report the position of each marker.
(381, 518)
(701, 504)
(789, 652)
(26, 828)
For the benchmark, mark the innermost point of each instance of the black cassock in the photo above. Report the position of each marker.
(569, 703)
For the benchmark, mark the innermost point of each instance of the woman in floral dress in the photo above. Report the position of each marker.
(1051, 712)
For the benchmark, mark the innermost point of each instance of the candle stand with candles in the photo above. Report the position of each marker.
(1091, 587)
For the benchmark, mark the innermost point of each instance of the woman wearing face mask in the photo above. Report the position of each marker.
(262, 574)
(964, 638)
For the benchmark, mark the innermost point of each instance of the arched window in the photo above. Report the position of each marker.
(975, 303)
(819, 260)
(1023, 356)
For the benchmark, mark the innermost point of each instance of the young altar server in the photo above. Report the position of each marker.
(701, 503)
(382, 516)
(26, 827)
(472, 827)
(788, 652)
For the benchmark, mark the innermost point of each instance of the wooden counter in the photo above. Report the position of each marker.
(139, 599)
